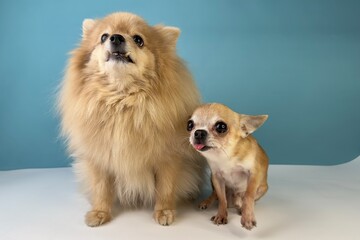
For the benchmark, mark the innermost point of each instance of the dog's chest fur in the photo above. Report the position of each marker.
(127, 136)
(235, 172)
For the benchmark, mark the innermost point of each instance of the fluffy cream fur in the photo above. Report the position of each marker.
(125, 123)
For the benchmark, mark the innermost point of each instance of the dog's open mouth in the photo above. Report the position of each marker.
(201, 147)
(119, 56)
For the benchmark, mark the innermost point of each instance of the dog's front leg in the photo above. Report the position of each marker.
(247, 210)
(101, 191)
(219, 185)
(165, 180)
(207, 202)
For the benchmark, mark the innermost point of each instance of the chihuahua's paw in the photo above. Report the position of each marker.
(248, 220)
(219, 219)
(164, 217)
(203, 205)
(97, 218)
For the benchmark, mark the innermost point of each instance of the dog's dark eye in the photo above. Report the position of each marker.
(138, 40)
(220, 127)
(104, 37)
(190, 125)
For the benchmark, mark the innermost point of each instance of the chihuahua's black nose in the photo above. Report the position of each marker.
(200, 134)
(117, 39)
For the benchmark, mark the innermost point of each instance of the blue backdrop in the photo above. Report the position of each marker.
(298, 61)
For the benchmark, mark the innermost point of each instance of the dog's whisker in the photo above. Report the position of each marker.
(223, 149)
(219, 146)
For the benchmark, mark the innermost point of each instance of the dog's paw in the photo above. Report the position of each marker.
(248, 220)
(164, 217)
(97, 218)
(219, 219)
(203, 205)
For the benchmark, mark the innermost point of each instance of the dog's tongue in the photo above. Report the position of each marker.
(199, 146)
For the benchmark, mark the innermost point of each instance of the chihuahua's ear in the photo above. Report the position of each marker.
(171, 34)
(87, 25)
(249, 124)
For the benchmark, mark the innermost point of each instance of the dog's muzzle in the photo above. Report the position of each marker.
(118, 49)
(200, 137)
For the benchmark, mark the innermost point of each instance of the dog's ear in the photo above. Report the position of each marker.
(171, 34)
(87, 25)
(248, 123)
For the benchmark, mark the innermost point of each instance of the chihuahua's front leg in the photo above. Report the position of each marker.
(247, 210)
(219, 185)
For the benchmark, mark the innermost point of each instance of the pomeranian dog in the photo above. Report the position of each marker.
(124, 102)
(238, 163)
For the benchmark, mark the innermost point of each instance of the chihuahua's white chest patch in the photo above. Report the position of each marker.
(235, 173)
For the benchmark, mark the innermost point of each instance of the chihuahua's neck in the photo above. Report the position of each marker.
(242, 154)
(234, 170)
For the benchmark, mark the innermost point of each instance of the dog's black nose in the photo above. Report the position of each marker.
(117, 39)
(200, 134)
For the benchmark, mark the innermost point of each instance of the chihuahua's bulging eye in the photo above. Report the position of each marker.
(138, 40)
(104, 37)
(220, 127)
(190, 125)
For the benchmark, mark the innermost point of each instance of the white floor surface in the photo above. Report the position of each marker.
(303, 202)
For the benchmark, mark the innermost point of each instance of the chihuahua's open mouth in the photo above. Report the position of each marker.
(119, 56)
(201, 147)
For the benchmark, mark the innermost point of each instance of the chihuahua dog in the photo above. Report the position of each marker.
(238, 163)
